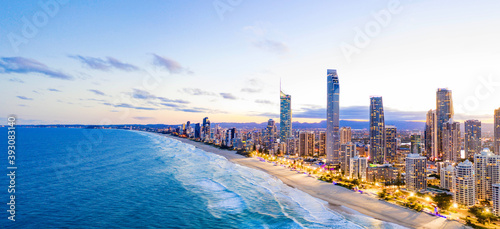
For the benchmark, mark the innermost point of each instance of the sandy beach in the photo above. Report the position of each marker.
(340, 199)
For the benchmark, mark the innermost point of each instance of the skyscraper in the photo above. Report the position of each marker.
(416, 173)
(416, 146)
(487, 168)
(285, 116)
(447, 176)
(206, 129)
(347, 151)
(322, 143)
(472, 138)
(496, 199)
(391, 144)
(270, 135)
(431, 135)
(377, 130)
(444, 111)
(306, 143)
(332, 115)
(357, 168)
(497, 132)
(451, 141)
(345, 135)
(465, 190)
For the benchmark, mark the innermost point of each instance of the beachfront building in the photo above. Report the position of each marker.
(391, 144)
(322, 143)
(345, 135)
(377, 131)
(347, 151)
(487, 172)
(292, 146)
(416, 173)
(496, 143)
(465, 190)
(444, 112)
(333, 118)
(447, 176)
(386, 174)
(306, 144)
(451, 141)
(472, 138)
(357, 168)
(431, 148)
(285, 116)
(496, 199)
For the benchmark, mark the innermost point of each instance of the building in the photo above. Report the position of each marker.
(377, 131)
(391, 144)
(292, 146)
(444, 112)
(451, 141)
(347, 151)
(497, 132)
(487, 172)
(496, 199)
(332, 115)
(270, 134)
(416, 173)
(345, 135)
(465, 190)
(205, 129)
(322, 143)
(357, 168)
(416, 144)
(447, 176)
(472, 138)
(386, 174)
(285, 116)
(306, 144)
(431, 147)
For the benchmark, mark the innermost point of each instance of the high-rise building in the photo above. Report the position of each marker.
(431, 135)
(206, 129)
(447, 176)
(345, 135)
(347, 151)
(496, 199)
(416, 144)
(357, 168)
(292, 147)
(333, 118)
(285, 116)
(451, 141)
(444, 112)
(306, 144)
(487, 170)
(377, 130)
(465, 190)
(322, 143)
(497, 132)
(472, 138)
(270, 136)
(416, 173)
(391, 144)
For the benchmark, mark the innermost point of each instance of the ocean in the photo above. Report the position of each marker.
(90, 178)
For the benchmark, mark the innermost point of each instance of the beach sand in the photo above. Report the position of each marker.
(340, 199)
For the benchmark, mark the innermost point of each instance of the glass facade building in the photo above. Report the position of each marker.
(332, 115)
(377, 131)
(472, 138)
(285, 116)
(444, 111)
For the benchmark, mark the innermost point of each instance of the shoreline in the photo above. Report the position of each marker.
(339, 199)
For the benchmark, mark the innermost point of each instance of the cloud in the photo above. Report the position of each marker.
(360, 113)
(97, 92)
(104, 64)
(24, 98)
(172, 66)
(263, 101)
(197, 91)
(143, 118)
(251, 90)
(163, 99)
(23, 65)
(16, 80)
(171, 105)
(126, 105)
(53, 89)
(144, 95)
(227, 96)
(271, 46)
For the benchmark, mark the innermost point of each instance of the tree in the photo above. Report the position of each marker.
(443, 200)
(382, 194)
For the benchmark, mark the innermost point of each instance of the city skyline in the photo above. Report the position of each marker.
(155, 81)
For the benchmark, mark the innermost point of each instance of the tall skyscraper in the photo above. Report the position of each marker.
(451, 141)
(377, 130)
(465, 190)
(285, 116)
(416, 146)
(306, 143)
(345, 135)
(497, 132)
(206, 129)
(391, 144)
(416, 173)
(270, 135)
(431, 135)
(332, 115)
(444, 111)
(472, 138)
(487, 169)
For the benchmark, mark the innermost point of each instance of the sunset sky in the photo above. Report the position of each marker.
(94, 62)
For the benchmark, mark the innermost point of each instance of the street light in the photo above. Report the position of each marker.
(455, 205)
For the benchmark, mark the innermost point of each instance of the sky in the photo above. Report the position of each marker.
(124, 62)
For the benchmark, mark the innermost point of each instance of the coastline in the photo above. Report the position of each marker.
(339, 199)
